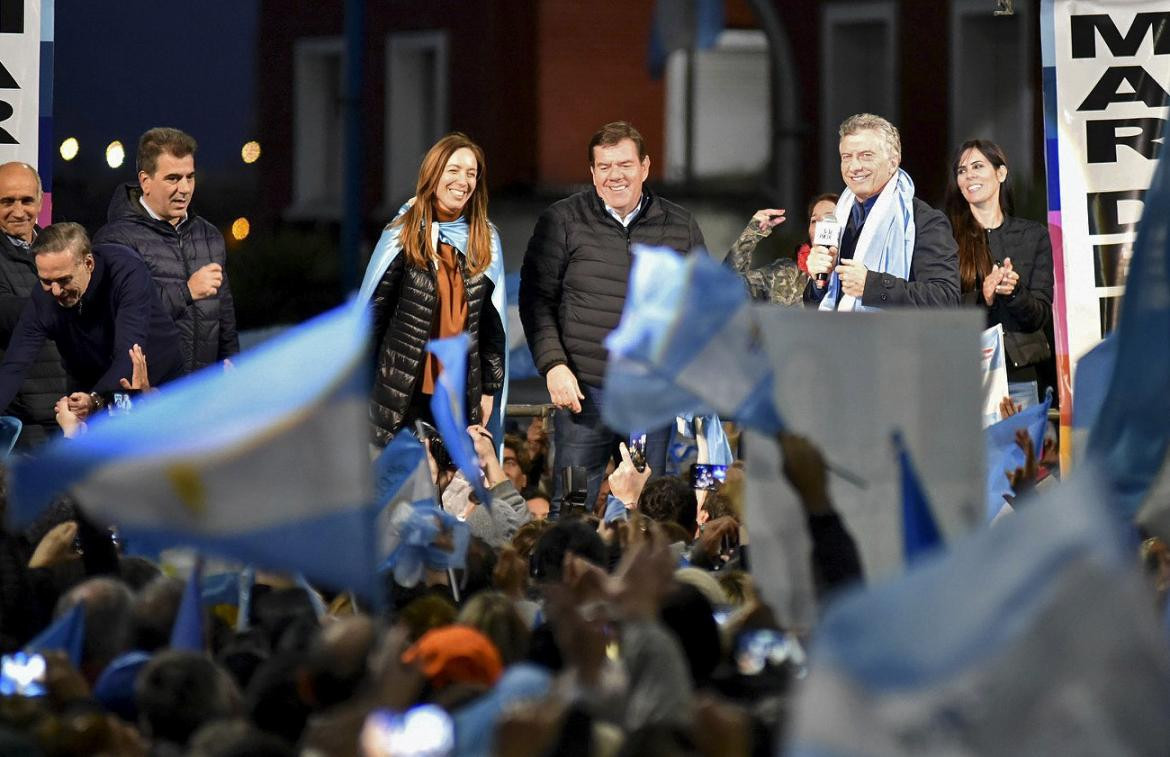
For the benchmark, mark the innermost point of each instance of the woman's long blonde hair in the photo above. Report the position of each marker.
(420, 215)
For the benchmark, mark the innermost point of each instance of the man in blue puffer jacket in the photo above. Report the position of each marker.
(185, 253)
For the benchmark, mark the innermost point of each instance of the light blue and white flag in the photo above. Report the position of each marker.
(1012, 642)
(402, 473)
(687, 343)
(448, 407)
(1132, 430)
(411, 526)
(1003, 454)
(995, 383)
(268, 463)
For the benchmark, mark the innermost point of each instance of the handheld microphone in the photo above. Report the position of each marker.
(827, 234)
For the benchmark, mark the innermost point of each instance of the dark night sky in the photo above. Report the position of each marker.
(123, 67)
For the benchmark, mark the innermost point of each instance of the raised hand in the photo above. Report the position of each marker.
(626, 482)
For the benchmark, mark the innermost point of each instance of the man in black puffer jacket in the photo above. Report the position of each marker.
(573, 287)
(46, 381)
(185, 253)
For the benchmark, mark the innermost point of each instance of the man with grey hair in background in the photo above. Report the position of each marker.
(45, 380)
(895, 251)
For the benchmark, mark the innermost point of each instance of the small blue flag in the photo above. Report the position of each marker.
(187, 631)
(66, 633)
(447, 406)
(920, 534)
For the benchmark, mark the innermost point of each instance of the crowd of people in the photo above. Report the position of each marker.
(605, 605)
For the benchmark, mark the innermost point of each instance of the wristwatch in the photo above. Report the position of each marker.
(98, 401)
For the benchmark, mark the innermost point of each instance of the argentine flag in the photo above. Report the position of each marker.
(411, 527)
(1039, 637)
(268, 463)
(1130, 436)
(687, 343)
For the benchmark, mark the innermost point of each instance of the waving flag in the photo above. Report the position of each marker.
(1093, 372)
(267, 463)
(1131, 434)
(447, 405)
(1010, 643)
(412, 525)
(687, 343)
(1003, 454)
(187, 631)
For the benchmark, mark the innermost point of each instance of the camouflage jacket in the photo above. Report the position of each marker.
(780, 282)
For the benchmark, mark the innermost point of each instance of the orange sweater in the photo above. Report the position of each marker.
(452, 298)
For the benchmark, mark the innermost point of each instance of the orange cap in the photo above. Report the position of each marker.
(456, 654)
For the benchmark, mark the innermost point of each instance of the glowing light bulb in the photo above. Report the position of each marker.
(240, 229)
(115, 154)
(250, 152)
(69, 148)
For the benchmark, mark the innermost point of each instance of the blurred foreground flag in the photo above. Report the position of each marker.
(1037, 637)
(1091, 385)
(268, 463)
(1130, 437)
(687, 343)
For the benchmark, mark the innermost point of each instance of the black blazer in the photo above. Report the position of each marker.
(1029, 307)
(934, 269)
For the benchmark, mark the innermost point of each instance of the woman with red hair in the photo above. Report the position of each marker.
(437, 272)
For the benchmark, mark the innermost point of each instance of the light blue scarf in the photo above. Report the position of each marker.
(454, 233)
(886, 243)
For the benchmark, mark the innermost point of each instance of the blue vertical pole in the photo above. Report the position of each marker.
(351, 223)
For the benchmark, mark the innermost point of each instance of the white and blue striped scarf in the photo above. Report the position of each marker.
(886, 243)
